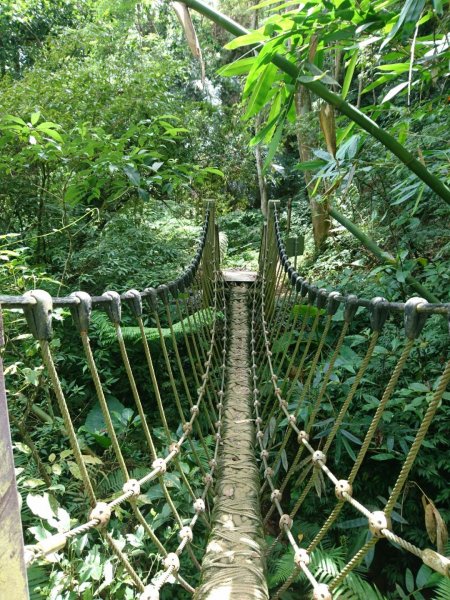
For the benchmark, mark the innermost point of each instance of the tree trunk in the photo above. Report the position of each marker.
(306, 141)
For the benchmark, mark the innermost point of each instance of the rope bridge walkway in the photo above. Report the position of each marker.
(253, 375)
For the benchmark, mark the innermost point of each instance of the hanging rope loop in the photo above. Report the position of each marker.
(378, 313)
(39, 314)
(82, 311)
(113, 306)
(414, 320)
(134, 299)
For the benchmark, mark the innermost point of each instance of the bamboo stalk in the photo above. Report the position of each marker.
(335, 100)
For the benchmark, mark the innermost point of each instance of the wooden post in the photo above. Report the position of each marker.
(13, 577)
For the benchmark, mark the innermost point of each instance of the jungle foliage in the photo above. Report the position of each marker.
(110, 141)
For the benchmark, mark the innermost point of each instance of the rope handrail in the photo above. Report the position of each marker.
(296, 281)
(185, 278)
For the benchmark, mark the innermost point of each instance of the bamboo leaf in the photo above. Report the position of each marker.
(239, 67)
(255, 37)
(349, 74)
(407, 19)
(395, 90)
(184, 17)
(260, 94)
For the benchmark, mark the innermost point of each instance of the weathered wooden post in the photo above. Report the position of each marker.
(13, 577)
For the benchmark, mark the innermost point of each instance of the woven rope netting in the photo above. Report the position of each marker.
(304, 360)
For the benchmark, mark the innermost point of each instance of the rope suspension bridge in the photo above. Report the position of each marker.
(253, 375)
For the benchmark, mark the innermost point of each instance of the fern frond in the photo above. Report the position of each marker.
(106, 332)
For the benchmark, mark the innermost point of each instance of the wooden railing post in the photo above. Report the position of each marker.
(13, 577)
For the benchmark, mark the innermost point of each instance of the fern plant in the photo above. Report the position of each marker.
(325, 565)
(106, 333)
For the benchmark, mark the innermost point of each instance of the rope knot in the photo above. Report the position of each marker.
(274, 378)
(322, 592)
(133, 487)
(174, 448)
(302, 437)
(268, 472)
(187, 428)
(194, 409)
(208, 478)
(221, 393)
(257, 404)
(343, 487)
(258, 421)
(101, 513)
(213, 463)
(264, 454)
(217, 424)
(292, 419)
(172, 562)
(260, 434)
(150, 593)
(185, 533)
(275, 495)
(301, 558)
(282, 402)
(199, 505)
(319, 457)
(285, 521)
(379, 521)
(160, 465)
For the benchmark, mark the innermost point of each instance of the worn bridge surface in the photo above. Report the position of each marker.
(233, 566)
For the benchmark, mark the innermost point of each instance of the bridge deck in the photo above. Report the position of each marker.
(236, 276)
(233, 567)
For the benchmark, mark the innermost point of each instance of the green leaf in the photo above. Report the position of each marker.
(351, 437)
(438, 6)
(95, 422)
(310, 165)
(407, 19)
(35, 117)
(394, 67)
(132, 175)
(409, 580)
(214, 171)
(395, 90)
(51, 133)
(238, 67)
(13, 119)
(275, 142)
(349, 74)
(254, 37)
(382, 456)
(261, 91)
